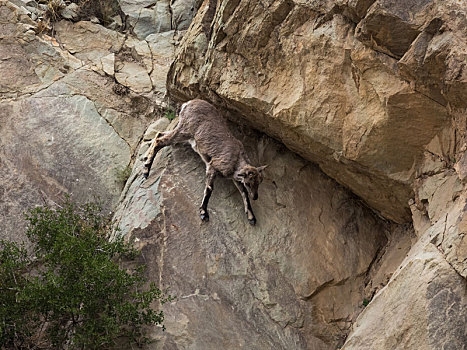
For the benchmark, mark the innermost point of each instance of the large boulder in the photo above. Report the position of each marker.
(63, 128)
(424, 305)
(296, 280)
(337, 82)
(147, 17)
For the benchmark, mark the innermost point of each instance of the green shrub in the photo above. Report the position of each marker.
(17, 323)
(74, 294)
(123, 175)
(170, 114)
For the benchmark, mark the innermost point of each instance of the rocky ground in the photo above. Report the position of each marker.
(358, 107)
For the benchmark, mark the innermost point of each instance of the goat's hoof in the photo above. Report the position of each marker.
(146, 175)
(204, 216)
(252, 221)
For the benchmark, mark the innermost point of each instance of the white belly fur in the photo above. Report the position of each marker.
(193, 145)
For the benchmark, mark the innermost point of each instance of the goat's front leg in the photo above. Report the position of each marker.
(246, 202)
(210, 176)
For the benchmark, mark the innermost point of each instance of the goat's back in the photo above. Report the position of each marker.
(198, 115)
(202, 122)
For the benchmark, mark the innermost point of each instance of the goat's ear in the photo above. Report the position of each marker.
(261, 168)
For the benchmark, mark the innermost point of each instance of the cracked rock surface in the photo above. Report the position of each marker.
(294, 281)
(66, 127)
(360, 87)
(158, 16)
(373, 91)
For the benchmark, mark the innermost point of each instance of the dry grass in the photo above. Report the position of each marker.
(54, 7)
(104, 10)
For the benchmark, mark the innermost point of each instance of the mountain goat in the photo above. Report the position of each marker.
(201, 124)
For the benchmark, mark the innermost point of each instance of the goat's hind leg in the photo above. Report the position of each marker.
(246, 202)
(150, 155)
(161, 140)
(210, 176)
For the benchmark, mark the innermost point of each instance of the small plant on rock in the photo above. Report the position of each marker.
(170, 114)
(54, 7)
(123, 175)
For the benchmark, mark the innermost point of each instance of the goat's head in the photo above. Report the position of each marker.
(251, 177)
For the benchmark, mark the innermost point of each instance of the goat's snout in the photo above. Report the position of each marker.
(253, 194)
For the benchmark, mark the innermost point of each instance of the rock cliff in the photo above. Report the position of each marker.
(358, 107)
(296, 280)
(358, 89)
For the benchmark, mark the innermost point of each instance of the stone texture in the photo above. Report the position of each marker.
(129, 6)
(62, 128)
(424, 303)
(392, 26)
(183, 12)
(265, 287)
(435, 61)
(28, 63)
(128, 115)
(422, 307)
(88, 41)
(70, 11)
(139, 65)
(52, 146)
(159, 125)
(162, 53)
(439, 208)
(372, 90)
(151, 17)
(309, 76)
(133, 76)
(145, 22)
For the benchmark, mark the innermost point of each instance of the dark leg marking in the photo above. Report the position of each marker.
(246, 202)
(210, 176)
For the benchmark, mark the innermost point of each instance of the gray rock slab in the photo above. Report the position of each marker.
(146, 21)
(133, 76)
(271, 286)
(424, 306)
(52, 146)
(88, 41)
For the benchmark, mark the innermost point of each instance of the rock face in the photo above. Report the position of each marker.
(66, 126)
(425, 302)
(338, 82)
(148, 17)
(271, 286)
(373, 91)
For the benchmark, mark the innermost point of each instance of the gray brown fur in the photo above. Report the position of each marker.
(201, 124)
